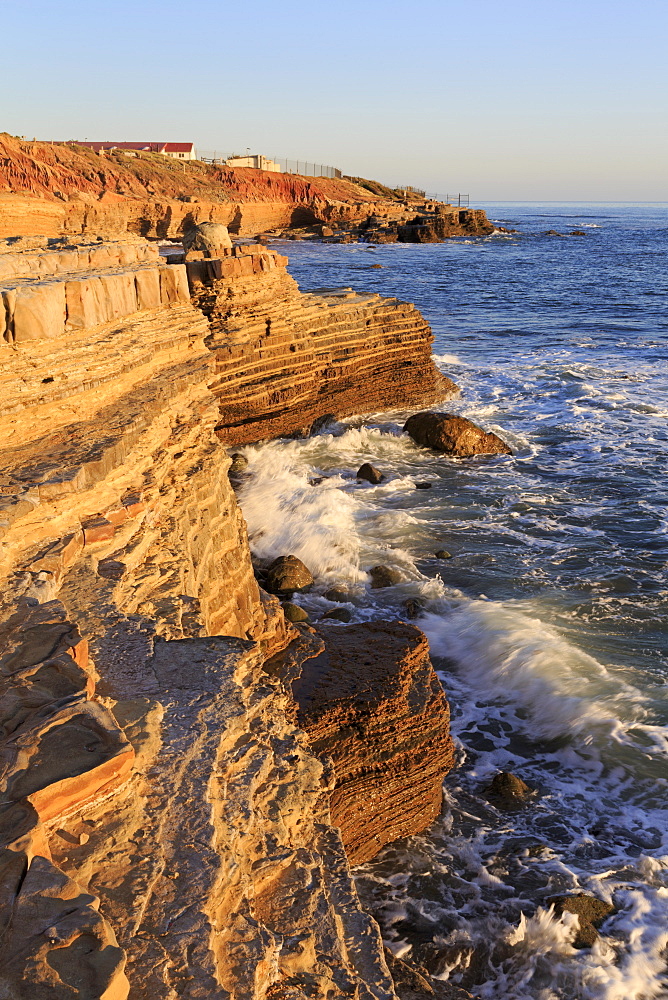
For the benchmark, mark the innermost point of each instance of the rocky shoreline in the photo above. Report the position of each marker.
(187, 774)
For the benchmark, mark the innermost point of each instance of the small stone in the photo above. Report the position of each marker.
(413, 607)
(339, 614)
(423, 486)
(294, 613)
(370, 473)
(590, 910)
(507, 791)
(287, 574)
(383, 576)
(443, 554)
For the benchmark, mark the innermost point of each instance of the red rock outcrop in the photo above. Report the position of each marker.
(51, 189)
(55, 188)
(285, 358)
(371, 702)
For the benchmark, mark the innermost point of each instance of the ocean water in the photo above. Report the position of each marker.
(549, 623)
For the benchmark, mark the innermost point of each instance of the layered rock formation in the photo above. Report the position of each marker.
(285, 359)
(433, 223)
(165, 824)
(371, 701)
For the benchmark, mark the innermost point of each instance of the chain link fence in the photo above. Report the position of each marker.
(306, 168)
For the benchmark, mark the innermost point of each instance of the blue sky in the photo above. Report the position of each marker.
(508, 99)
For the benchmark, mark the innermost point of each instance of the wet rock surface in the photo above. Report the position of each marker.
(339, 614)
(412, 983)
(370, 474)
(384, 576)
(453, 435)
(294, 613)
(507, 791)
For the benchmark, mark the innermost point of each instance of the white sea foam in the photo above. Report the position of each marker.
(447, 359)
(508, 655)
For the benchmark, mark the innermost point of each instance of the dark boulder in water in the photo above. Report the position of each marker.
(237, 470)
(383, 576)
(294, 613)
(453, 435)
(338, 594)
(414, 607)
(507, 791)
(287, 574)
(370, 473)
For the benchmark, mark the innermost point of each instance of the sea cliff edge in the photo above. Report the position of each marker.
(187, 775)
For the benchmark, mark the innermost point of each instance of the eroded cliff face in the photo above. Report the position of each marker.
(165, 824)
(57, 189)
(285, 359)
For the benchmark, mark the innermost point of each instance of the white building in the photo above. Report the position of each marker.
(256, 161)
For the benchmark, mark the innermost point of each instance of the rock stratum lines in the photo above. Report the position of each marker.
(186, 775)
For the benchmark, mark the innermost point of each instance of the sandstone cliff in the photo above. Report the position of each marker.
(166, 821)
(48, 189)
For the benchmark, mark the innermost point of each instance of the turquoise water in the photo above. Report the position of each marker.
(549, 623)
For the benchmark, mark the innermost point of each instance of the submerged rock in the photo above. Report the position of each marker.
(413, 984)
(239, 464)
(287, 574)
(370, 473)
(443, 554)
(591, 912)
(453, 435)
(414, 607)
